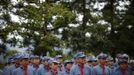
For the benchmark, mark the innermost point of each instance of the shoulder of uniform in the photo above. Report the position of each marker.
(96, 67)
(15, 70)
(87, 66)
(116, 68)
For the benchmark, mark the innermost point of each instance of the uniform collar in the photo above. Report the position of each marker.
(80, 65)
(47, 68)
(54, 72)
(67, 70)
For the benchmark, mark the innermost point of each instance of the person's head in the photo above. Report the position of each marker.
(125, 57)
(92, 61)
(36, 60)
(18, 59)
(45, 61)
(17, 62)
(81, 58)
(24, 59)
(53, 64)
(110, 61)
(102, 58)
(123, 65)
(59, 58)
(68, 64)
(75, 60)
(31, 60)
(11, 61)
(102, 61)
(24, 62)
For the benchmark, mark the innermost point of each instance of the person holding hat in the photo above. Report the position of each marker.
(80, 68)
(45, 67)
(68, 65)
(123, 68)
(24, 69)
(101, 68)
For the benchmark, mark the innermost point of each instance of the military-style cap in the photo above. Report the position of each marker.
(68, 61)
(120, 61)
(34, 57)
(102, 56)
(52, 60)
(80, 55)
(109, 58)
(125, 56)
(24, 56)
(45, 58)
(58, 57)
(91, 59)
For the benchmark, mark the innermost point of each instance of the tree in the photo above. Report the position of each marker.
(56, 24)
(38, 25)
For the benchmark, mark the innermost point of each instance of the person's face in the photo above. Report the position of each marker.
(24, 62)
(60, 60)
(94, 63)
(17, 62)
(81, 60)
(110, 62)
(36, 61)
(31, 60)
(89, 62)
(76, 60)
(54, 66)
(123, 65)
(45, 63)
(102, 61)
(69, 66)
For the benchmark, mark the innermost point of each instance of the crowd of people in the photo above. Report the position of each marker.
(79, 64)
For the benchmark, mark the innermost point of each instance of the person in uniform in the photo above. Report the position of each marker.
(118, 56)
(101, 68)
(45, 67)
(68, 65)
(110, 62)
(80, 68)
(9, 68)
(53, 64)
(92, 61)
(35, 63)
(6, 70)
(123, 68)
(59, 58)
(24, 69)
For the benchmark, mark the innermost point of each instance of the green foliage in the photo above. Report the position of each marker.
(11, 52)
(40, 23)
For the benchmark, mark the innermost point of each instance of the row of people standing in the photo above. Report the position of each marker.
(25, 64)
